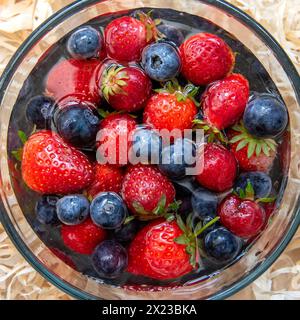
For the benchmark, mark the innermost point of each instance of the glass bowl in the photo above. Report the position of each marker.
(258, 256)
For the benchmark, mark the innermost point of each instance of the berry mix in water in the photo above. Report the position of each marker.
(115, 84)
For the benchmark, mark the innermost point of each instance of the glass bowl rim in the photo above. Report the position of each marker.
(70, 9)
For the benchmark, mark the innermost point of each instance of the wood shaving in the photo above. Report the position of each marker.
(18, 18)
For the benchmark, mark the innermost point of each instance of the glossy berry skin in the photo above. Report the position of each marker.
(73, 209)
(177, 158)
(84, 43)
(51, 166)
(145, 185)
(153, 252)
(205, 58)
(205, 221)
(260, 181)
(108, 210)
(146, 145)
(164, 111)
(204, 203)
(171, 34)
(106, 178)
(244, 218)
(110, 259)
(265, 116)
(45, 210)
(74, 79)
(114, 129)
(219, 169)
(126, 232)
(39, 111)
(161, 61)
(262, 162)
(82, 238)
(224, 102)
(128, 89)
(125, 38)
(221, 245)
(78, 124)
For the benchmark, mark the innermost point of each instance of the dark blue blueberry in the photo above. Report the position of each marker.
(84, 43)
(185, 186)
(177, 158)
(73, 209)
(260, 181)
(110, 259)
(265, 116)
(127, 231)
(108, 210)
(78, 124)
(161, 61)
(40, 111)
(171, 34)
(205, 221)
(204, 203)
(45, 210)
(222, 245)
(147, 145)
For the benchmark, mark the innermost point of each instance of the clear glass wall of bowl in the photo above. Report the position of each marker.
(261, 254)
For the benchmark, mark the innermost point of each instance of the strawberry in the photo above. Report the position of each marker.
(50, 165)
(205, 58)
(126, 89)
(74, 79)
(154, 253)
(82, 238)
(252, 154)
(114, 138)
(107, 178)
(126, 37)
(62, 256)
(224, 101)
(241, 215)
(146, 192)
(171, 108)
(219, 168)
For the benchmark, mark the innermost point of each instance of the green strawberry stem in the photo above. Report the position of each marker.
(128, 219)
(206, 226)
(213, 133)
(17, 154)
(253, 144)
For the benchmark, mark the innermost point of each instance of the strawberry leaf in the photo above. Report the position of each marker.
(22, 136)
(249, 191)
(161, 206)
(17, 154)
(128, 219)
(266, 200)
(139, 208)
(181, 224)
(182, 239)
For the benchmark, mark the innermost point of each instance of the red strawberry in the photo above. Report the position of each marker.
(126, 37)
(252, 154)
(107, 178)
(114, 138)
(126, 89)
(205, 58)
(245, 218)
(74, 79)
(224, 101)
(155, 254)
(146, 192)
(82, 238)
(65, 258)
(219, 168)
(170, 110)
(50, 165)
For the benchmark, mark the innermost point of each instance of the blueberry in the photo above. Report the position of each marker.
(45, 210)
(161, 61)
(78, 124)
(205, 221)
(265, 116)
(177, 158)
(222, 245)
(108, 210)
(204, 203)
(171, 34)
(110, 259)
(146, 145)
(84, 43)
(40, 111)
(126, 232)
(73, 209)
(260, 181)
